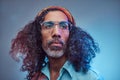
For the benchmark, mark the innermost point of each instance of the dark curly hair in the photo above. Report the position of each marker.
(81, 47)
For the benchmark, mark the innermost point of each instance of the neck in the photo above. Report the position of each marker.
(55, 64)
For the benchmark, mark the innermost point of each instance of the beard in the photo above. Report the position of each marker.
(53, 50)
(54, 53)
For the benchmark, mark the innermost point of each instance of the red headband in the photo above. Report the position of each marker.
(64, 10)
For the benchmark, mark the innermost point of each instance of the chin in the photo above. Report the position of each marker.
(54, 53)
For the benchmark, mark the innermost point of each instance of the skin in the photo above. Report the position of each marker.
(55, 51)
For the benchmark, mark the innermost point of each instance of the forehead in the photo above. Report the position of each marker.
(55, 16)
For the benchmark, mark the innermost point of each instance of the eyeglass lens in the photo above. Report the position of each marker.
(51, 24)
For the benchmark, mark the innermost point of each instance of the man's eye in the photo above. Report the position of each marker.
(64, 25)
(48, 24)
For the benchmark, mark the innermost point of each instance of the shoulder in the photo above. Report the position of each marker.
(39, 76)
(94, 74)
(35, 76)
(90, 75)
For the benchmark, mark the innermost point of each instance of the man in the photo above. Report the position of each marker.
(54, 48)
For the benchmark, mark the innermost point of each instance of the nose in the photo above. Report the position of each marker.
(56, 32)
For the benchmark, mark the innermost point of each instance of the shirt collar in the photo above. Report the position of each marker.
(67, 66)
(45, 71)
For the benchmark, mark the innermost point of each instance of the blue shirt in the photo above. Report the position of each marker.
(67, 72)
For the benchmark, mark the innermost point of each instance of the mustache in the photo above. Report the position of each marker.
(56, 41)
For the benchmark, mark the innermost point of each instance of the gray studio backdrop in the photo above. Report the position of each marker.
(100, 18)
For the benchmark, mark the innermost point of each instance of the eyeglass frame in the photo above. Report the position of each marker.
(57, 23)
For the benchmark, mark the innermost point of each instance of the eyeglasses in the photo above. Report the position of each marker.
(65, 25)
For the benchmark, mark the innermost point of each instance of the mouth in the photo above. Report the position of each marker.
(56, 45)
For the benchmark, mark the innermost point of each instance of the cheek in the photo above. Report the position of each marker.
(45, 37)
(44, 43)
(66, 36)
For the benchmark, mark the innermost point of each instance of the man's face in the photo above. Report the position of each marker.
(55, 33)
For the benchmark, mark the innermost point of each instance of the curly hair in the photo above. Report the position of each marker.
(81, 47)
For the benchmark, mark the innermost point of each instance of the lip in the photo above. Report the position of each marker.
(56, 44)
